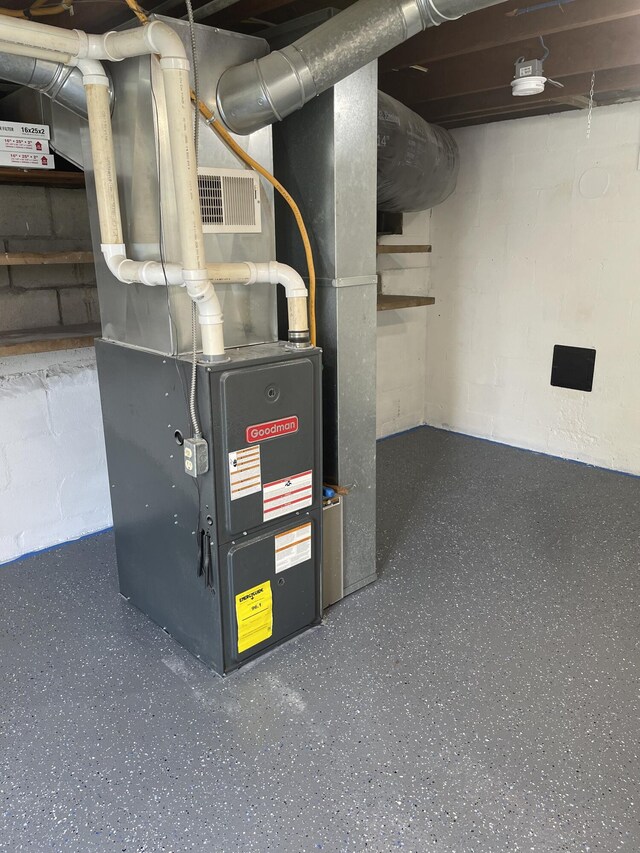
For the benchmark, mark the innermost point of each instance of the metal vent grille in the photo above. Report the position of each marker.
(229, 201)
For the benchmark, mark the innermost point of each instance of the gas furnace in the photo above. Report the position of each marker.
(227, 563)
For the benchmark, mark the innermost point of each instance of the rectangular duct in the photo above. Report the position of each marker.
(326, 152)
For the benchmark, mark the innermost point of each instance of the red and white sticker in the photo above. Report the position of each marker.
(245, 472)
(293, 547)
(285, 496)
(272, 429)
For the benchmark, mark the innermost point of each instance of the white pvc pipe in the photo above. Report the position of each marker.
(85, 51)
(103, 155)
(298, 314)
(76, 47)
(32, 52)
(160, 39)
(18, 32)
(243, 272)
(154, 273)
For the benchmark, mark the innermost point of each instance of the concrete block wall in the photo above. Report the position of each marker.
(402, 341)
(539, 246)
(53, 475)
(40, 219)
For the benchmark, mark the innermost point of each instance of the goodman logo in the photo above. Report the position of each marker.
(272, 429)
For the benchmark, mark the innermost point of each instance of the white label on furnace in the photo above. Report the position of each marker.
(245, 472)
(288, 495)
(293, 547)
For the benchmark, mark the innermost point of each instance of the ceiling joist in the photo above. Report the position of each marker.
(495, 27)
(607, 46)
(469, 62)
(499, 101)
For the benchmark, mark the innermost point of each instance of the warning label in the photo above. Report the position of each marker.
(287, 495)
(293, 547)
(245, 473)
(254, 613)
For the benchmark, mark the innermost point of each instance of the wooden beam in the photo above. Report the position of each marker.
(14, 259)
(50, 339)
(391, 302)
(401, 249)
(42, 177)
(540, 111)
(494, 27)
(607, 46)
(580, 102)
(243, 10)
(501, 100)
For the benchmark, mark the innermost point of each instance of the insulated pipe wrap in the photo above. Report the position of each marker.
(418, 162)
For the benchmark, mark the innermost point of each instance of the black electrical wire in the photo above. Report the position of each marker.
(198, 530)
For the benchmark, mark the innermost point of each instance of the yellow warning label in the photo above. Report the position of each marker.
(254, 612)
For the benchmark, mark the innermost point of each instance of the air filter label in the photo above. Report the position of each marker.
(245, 472)
(293, 547)
(254, 613)
(288, 495)
(272, 429)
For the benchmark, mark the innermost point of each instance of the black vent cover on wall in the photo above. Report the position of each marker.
(573, 367)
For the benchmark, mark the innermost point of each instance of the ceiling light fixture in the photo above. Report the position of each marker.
(529, 77)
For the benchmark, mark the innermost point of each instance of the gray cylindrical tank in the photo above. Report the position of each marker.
(417, 162)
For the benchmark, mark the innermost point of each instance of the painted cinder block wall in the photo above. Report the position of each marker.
(402, 335)
(539, 246)
(52, 466)
(53, 474)
(523, 258)
(45, 219)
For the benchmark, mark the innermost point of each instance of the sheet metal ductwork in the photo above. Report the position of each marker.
(61, 83)
(259, 93)
(418, 162)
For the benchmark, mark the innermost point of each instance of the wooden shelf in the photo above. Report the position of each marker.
(42, 177)
(387, 302)
(402, 249)
(48, 340)
(14, 259)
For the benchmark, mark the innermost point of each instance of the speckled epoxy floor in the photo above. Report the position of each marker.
(481, 697)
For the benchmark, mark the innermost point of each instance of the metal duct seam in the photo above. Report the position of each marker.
(259, 93)
(60, 83)
(432, 16)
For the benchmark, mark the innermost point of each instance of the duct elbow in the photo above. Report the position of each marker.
(259, 93)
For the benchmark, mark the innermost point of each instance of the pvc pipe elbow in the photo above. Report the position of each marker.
(291, 280)
(93, 73)
(273, 272)
(155, 37)
(114, 255)
(151, 273)
(163, 40)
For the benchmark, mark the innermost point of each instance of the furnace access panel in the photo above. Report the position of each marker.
(228, 565)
